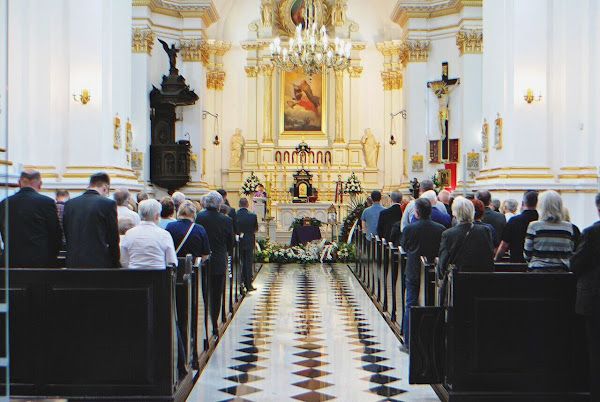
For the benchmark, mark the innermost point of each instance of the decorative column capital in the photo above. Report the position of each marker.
(193, 50)
(469, 41)
(414, 50)
(142, 40)
(392, 80)
(251, 71)
(355, 71)
(267, 69)
(215, 79)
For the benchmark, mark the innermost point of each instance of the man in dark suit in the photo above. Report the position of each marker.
(91, 227)
(231, 211)
(247, 224)
(219, 228)
(585, 263)
(491, 217)
(32, 236)
(419, 239)
(389, 216)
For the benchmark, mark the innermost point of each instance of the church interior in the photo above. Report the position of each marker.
(309, 117)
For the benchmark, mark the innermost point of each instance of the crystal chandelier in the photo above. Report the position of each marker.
(311, 50)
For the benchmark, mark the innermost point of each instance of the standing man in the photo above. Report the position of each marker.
(586, 266)
(491, 217)
(388, 217)
(370, 216)
(231, 210)
(91, 227)
(33, 236)
(419, 239)
(515, 231)
(219, 228)
(62, 196)
(247, 225)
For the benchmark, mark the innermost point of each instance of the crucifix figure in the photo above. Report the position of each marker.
(442, 89)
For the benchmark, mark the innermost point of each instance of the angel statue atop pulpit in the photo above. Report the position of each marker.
(172, 53)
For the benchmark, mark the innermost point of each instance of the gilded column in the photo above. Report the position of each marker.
(267, 70)
(339, 107)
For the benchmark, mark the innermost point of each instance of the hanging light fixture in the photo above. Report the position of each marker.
(311, 49)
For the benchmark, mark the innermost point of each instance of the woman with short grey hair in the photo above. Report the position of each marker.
(212, 200)
(147, 246)
(467, 247)
(550, 241)
(510, 208)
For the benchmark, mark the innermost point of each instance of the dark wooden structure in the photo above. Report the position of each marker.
(113, 334)
(505, 336)
(303, 189)
(169, 159)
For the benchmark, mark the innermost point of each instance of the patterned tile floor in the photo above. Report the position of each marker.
(308, 334)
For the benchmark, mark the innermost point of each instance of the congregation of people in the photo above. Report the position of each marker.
(95, 231)
(473, 232)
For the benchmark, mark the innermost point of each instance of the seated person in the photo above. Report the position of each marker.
(468, 246)
(167, 213)
(479, 212)
(125, 225)
(550, 241)
(437, 215)
(147, 246)
(189, 237)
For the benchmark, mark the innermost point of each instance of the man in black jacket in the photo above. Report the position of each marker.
(585, 263)
(231, 211)
(419, 239)
(34, 236)
(389, 216)
(491, 217)
(247, 224)
(91, 227)
(219, 228)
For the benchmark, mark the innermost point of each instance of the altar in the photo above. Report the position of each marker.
(287, 213)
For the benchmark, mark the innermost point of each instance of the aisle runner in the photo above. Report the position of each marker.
(310, 334)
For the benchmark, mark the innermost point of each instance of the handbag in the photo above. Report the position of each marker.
(443, 281)
(185, 238)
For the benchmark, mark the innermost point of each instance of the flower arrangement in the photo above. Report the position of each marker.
(310, 253)
(300, 222)
(352, 185)
(249, 186)
(356, 210)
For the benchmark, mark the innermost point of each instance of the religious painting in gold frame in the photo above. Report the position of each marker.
(292, 13)
(303, 104)
(445, 177)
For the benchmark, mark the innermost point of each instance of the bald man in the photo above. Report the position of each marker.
(32, 234)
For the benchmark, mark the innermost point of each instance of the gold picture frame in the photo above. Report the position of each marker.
(137, 160)
(498, 132)
(298, 92)
(473, 161)
(417, 163)
(292, 12)
(445, 177)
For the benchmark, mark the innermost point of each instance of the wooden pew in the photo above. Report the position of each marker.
(502, 337)
(99, 334)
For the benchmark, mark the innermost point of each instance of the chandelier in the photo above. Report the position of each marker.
(311, 49)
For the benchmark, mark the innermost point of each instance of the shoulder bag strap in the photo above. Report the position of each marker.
(458, 249)
(185, 238)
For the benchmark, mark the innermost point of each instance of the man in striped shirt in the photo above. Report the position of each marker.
(550, 241)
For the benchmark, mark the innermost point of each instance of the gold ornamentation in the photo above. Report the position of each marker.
(137, 161)
(415, 51)
(338, 13)
(355, 71)
(339, 107)
(390, 48)
(128, 136)
(117, 132)
(287, 23)
(267, 70)
(425, 9)
(193, 50)
(215, 79)
(473, 161)
(142, 40)
(485, 136)
(469, 41)
(205, 10)
(251, 71)
(392, 80)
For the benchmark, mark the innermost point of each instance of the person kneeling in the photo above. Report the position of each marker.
(147, 246)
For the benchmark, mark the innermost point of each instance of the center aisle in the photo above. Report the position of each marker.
(309, 334)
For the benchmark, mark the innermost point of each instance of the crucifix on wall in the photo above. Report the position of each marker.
(442, 89)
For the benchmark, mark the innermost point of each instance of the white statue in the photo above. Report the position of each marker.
(370, 148)
(237, 149)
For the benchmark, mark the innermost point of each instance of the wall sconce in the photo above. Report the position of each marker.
(205, 114)
(530, 97)
(84, 97)
(392, 116)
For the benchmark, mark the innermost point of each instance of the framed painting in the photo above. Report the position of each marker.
(473, 161)
(303, 104)
(296, 12)
(434, 151)
(417, 163)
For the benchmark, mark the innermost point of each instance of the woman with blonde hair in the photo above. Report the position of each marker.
(551, 240)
